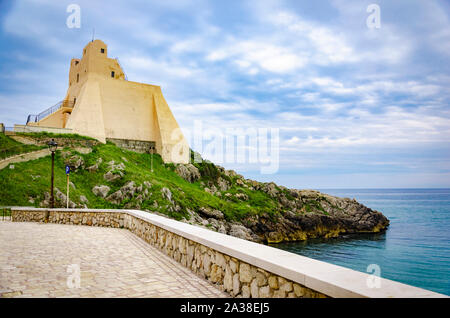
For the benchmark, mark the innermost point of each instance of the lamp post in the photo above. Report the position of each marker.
(52, 145)
(152, 150)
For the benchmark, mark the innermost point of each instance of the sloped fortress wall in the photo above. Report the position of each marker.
(106, 106)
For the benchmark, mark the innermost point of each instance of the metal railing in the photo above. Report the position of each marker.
(5, 213)
(50, 110)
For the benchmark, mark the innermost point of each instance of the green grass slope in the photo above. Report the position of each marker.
(26, 184)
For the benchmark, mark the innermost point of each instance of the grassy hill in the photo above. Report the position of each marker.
(200, 193)
(30, 180)
(9, 147)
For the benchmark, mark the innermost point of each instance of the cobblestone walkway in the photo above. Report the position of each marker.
(41, 260)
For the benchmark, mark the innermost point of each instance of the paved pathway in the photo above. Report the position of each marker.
(24, 157)
(41, 260)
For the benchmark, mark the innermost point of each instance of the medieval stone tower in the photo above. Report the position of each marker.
(102, 104)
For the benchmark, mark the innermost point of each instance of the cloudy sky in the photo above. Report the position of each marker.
(355, 107)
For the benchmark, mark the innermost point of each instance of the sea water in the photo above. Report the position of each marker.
(415, 249)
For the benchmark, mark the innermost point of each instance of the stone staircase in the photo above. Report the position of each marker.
(49, 111)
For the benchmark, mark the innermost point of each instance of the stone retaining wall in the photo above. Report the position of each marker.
(239, 267)
(133, 145)
(35, 215)
(61, 141)
(236, 277)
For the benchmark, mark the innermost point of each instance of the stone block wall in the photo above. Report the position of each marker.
(34, 215)
(236, 277)
(104, 219)
(133, 145)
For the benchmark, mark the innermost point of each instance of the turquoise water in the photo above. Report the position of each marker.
(415, 249)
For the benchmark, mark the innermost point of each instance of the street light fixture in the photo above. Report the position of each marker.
(52, 146)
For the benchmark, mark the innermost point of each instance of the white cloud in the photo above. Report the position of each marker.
(267, 56)
(144, 64)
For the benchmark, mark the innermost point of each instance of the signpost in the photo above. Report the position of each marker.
(67, 174)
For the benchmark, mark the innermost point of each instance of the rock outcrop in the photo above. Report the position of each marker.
(95, 167)
(101, 191)
(297, 214)
(313, 214)
(210, 213)
(188, 172)
(75, 162)
(115, 171)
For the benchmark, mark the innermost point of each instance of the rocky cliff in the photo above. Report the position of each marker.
(301, 214)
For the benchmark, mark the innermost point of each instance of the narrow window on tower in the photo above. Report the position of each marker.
(102, 50)
(78, 78)
(112, 74)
